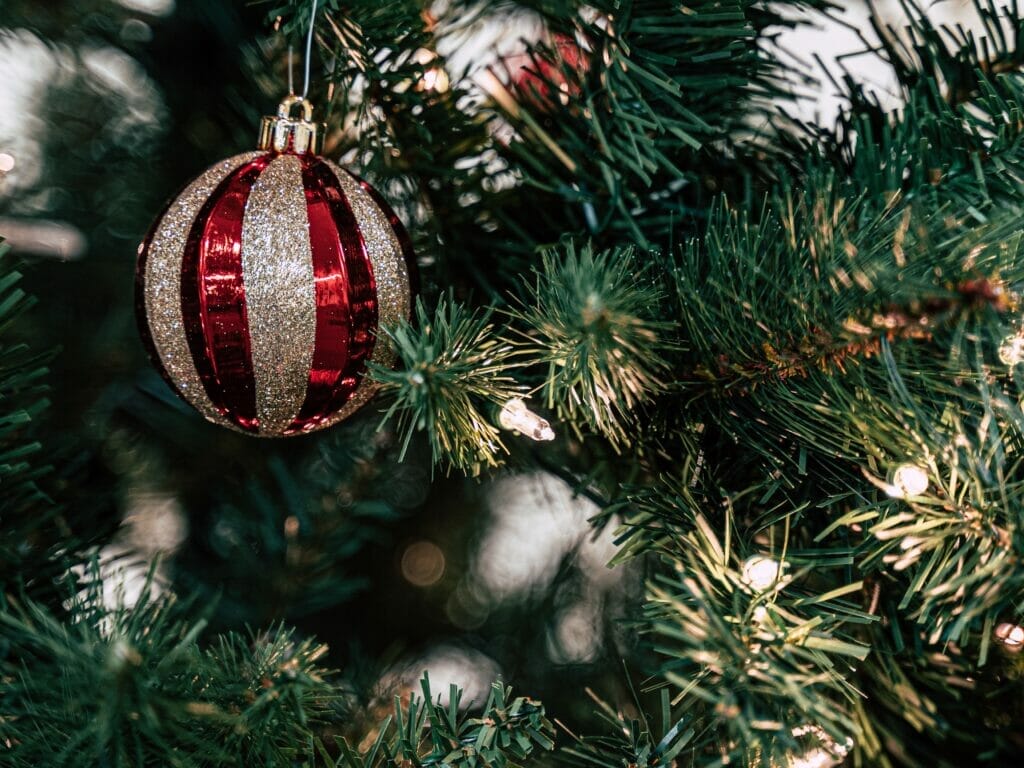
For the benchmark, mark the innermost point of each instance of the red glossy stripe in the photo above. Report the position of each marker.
(408, 255)
(330, 350)
(213, 298)
(346, 297)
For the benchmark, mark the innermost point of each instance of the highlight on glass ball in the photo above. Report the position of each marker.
(262, 287)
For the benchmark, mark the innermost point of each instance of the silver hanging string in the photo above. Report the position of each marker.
(309, 49)
(291, 86)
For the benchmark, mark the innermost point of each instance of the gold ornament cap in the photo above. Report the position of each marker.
(284, 133)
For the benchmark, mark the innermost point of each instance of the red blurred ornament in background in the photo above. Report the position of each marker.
(262, 287)
(545, 79)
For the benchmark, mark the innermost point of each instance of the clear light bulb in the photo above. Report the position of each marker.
(515, 416)
(1011, 636)
(1011, 351)
(435, 79)
(760, 573)
(825, 753)
(908, 480)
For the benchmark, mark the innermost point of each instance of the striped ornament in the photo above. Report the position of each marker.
(261, 288)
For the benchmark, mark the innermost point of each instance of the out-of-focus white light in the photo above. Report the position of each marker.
(536, 520)
(1011, 351)
(761, 573)
(1011, 636)
(423, 564)
(908, 480)
(150, 7)
(469, 669)
(6, 162)
(826, 753)
(575, 637)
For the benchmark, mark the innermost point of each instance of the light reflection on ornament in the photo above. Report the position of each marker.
(908, 480)
(761, 573)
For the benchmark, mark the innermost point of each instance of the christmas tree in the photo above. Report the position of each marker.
(704, 427)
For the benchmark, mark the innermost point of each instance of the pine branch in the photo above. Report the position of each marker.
(821, 350)
(132, 686)
(755, 659)
(620, 140)
(453, 370)
(425, 733)
(42, 539)
(590, 319)
(633, 741)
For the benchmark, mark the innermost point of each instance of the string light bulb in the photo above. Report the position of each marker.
(825, 753)
(1011, 351)
(1010, 636)
(908, 480)
(516, 417)
(434, 78)
(760, 573)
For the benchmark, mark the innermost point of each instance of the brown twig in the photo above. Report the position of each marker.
(827, 351)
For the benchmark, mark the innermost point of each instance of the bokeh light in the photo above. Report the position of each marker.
(423, 564)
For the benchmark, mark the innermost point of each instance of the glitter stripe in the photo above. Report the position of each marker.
(386, 256)
(141, 296)
(345, 295)
(277, 264)
(158, 286)
(404, 241)
(213, 300)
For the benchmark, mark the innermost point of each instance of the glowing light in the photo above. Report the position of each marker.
(6, 162)
(470, 669)
(908, 480)
(515, 416)
(826, 753)
(435, 79)
(535, 520)
(152, 7)
(1011, 351)
(1011, 636)
(761, 573)
(423, 564)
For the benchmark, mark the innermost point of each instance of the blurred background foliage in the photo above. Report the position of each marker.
(109, 109)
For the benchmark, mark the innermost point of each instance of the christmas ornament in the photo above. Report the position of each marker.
(532, 76)
(262, 287)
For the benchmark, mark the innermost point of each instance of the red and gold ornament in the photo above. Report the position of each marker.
(262, 287)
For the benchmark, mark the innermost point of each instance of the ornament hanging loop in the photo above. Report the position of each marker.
(284, 133)
(285, 107)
